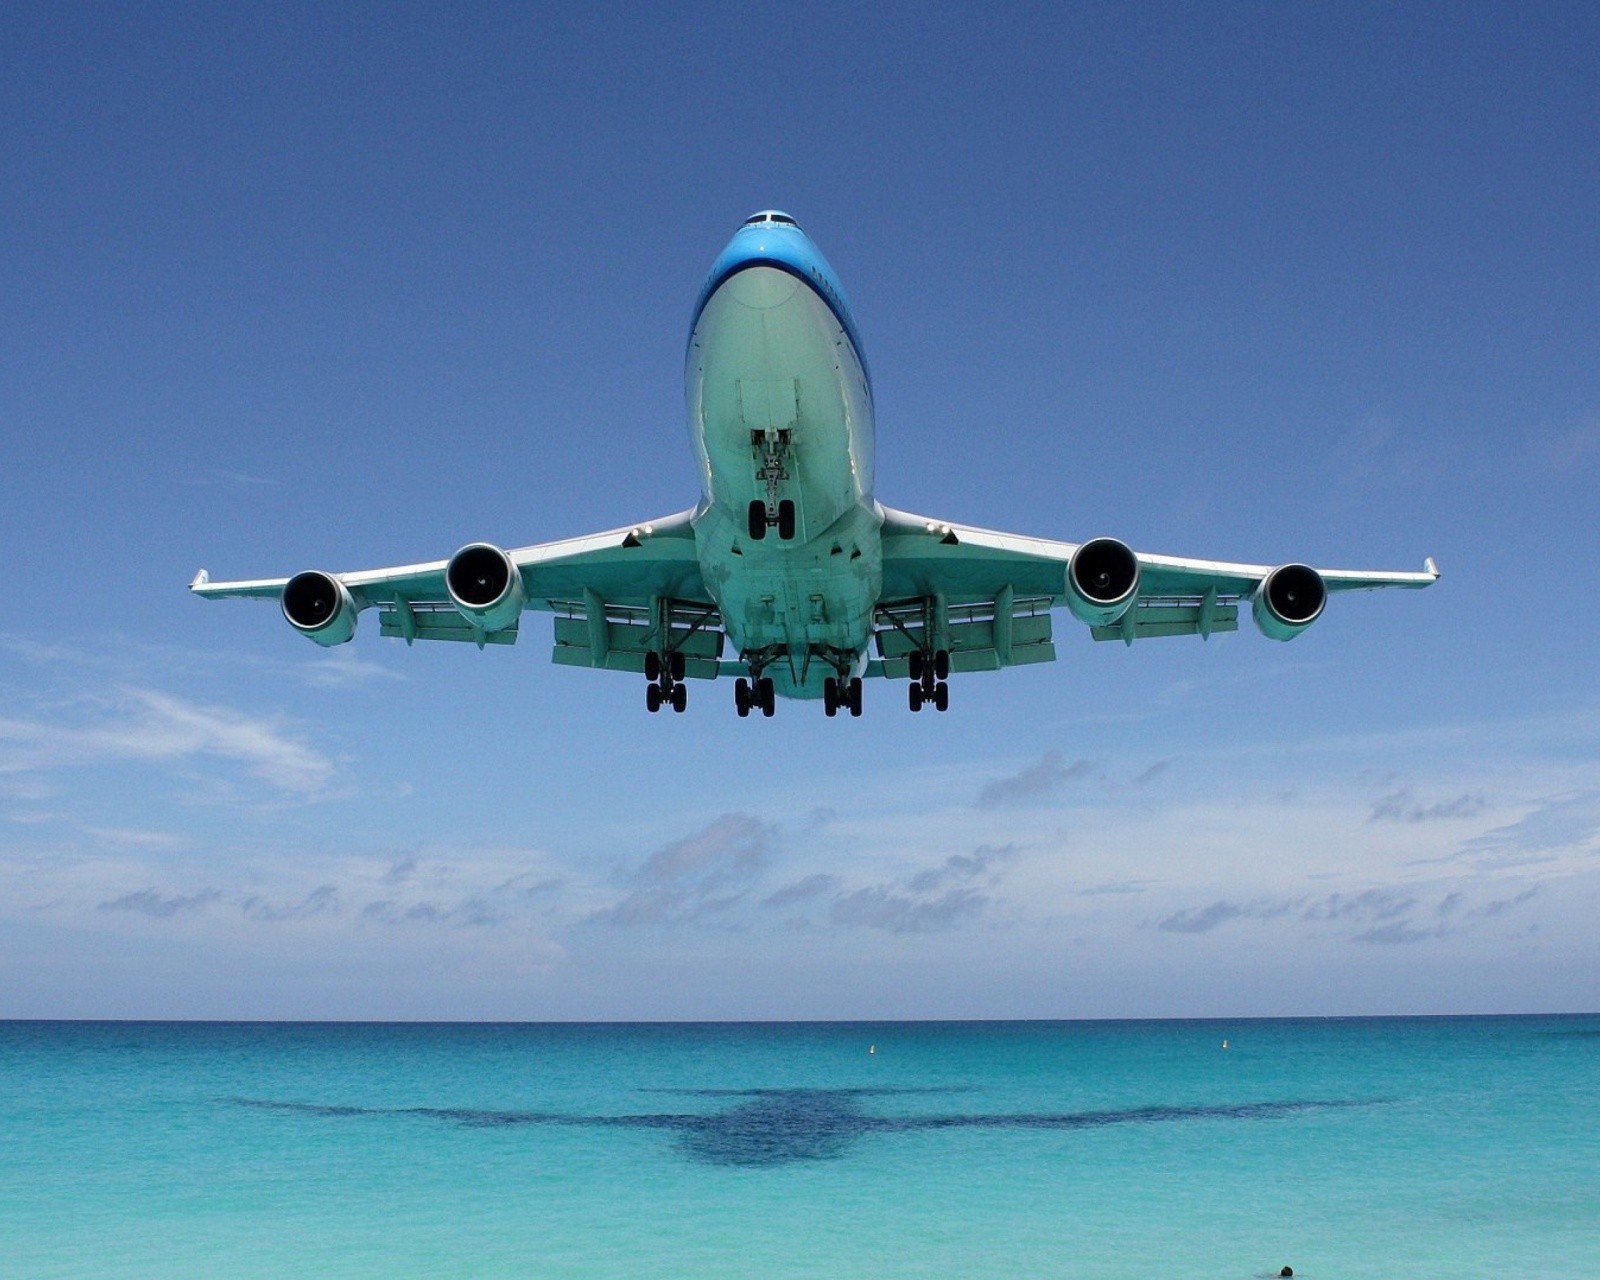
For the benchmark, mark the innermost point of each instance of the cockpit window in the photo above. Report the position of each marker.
(770, 215)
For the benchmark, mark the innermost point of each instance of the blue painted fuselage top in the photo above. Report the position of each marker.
(781, 245)
(780, 407)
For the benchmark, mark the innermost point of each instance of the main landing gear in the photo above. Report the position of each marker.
(929, 673)
(841, 693)
(749, 695)
(666, 687)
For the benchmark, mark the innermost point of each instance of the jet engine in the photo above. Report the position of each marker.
(485, 586)
(1289, 600)
(1102, 581)
(319, 607)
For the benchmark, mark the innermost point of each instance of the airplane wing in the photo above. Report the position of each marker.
(988, 595)
(613, 594)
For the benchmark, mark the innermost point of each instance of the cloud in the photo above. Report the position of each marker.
(879, 907)
(1401, 933)
(1557, 825)
(1147, 776)
(1034, 783)
(1500, 906)
(963, 866)
(1390, 916)
(323, 900)
(207, 476)
(702, 874)
(1374, 904)
(402, 870)
(339, 670)
(149, 902)
(1201, 919)
(148, 726)
(1400, 806)
(802, 890)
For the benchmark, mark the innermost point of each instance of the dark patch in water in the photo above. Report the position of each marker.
(769, 1127)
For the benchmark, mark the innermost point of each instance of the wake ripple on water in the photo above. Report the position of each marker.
(770, 1127)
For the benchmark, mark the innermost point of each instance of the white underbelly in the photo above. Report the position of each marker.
(769, 359)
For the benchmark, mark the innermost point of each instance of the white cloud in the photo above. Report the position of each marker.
(145, 725)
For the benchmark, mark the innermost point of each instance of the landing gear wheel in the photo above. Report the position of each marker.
(758, 520)
(741, 697)
(855, 696)
(680, 696)
(941, 664)
(941, 696)
(652, 697)
(652, 666)
(786, 519)
(916, 695)
(916, 664)
(767, 695)
(830, 697)
(677, 665)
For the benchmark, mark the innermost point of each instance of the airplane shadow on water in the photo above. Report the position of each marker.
(764, 1128)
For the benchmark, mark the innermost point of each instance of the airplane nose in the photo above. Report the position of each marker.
(762, 288)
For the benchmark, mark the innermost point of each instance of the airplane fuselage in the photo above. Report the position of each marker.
(780, 412)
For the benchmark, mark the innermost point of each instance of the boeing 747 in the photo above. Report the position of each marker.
(788, 575)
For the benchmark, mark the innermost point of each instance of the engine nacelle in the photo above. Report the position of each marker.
(1102, 581)
(485, 586)
(1289, 600)
(319, 607)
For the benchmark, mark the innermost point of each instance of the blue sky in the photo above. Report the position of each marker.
(294, 287)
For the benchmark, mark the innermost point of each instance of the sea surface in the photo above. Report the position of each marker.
(1426, 1147)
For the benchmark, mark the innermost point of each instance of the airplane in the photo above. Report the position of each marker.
(788, 575)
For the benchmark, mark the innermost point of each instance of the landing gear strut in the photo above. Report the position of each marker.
(666, 687)
(773, 448)
(929, 673)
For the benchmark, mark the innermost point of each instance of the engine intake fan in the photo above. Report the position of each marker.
(319, 607)
(485, 586)
(1289, 600)
(1102, 581)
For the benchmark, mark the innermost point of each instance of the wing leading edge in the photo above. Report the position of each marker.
(977, 574)
(636, 578)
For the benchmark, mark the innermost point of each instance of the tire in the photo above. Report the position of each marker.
(652, 666)
(652, 697)
(769, 697)
(758, 520)
(830, 697)
(855, 696)
(680, 697)
(786, 520)
(916, 695)
(741, 697)
(941, 696)
(677, 665)
(941, 665)
(916, 664)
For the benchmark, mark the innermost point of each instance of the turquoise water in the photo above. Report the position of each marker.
(1345, 1148)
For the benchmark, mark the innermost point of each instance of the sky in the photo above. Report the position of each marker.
(299, 286)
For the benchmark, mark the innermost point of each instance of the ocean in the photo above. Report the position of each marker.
(1381, 1147)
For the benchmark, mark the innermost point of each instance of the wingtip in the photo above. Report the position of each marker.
(1430, 566)
(200, 580)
